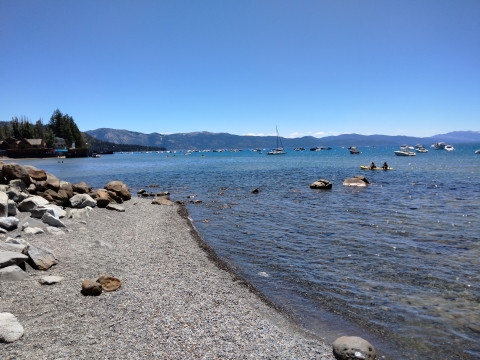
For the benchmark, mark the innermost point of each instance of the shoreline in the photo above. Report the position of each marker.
(175, 301)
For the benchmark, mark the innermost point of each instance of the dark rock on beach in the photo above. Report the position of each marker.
(14, 171)
(353, 348)
(109, 283)
(91, 287)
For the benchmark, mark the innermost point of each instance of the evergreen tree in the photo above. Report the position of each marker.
(49, 137)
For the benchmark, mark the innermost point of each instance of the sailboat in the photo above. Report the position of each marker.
(278, 150)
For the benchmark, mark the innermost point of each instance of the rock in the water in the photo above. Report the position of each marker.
(54, 231)
(37, 175)
(12, 273)
(14, 171)
(3, 204)
(40, 258)
(141, 191)
(353, 348)
(163, 193)
(31, 202)
(9, 223)
(12, 208)
(116, 207)
(8, 258)
(82, 200)
(19, 184)
(109, 283)
(119, 188)
(361, 177)
(91, 287)
(10, 329)
(50, 280)
(33, 230)
(180, 202)
(355, 182)
(49, 219)
(161, 201)
(321, 184)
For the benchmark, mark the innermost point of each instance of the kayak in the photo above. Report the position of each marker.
(377, 168)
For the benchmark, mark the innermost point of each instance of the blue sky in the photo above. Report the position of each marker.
(316, 68)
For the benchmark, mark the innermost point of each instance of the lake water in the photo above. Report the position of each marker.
(397, 263)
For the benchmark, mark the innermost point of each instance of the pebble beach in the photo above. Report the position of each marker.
(177, 300)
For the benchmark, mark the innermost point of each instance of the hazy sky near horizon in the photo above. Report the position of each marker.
(323, 67)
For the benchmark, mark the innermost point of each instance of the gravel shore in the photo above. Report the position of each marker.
(175, 301)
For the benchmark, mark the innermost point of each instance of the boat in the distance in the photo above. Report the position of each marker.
(404, 153)
(439, 145)
(448, 148)
(278, 150)
(477, 152)
(299, 149)
(420, 149)
(354, 150)
(363, 167)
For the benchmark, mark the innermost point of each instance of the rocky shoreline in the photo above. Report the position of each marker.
(174, 302)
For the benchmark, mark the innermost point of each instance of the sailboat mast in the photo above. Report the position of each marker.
(276, 127)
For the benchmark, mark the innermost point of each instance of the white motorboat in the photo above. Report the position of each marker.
(420, 149)
(448, 148)
(477, 152)
(404, 153)
(354, 150)
(439, 146)
(278, 150)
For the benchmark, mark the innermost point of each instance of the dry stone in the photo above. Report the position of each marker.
(109, 283)
(82, 200)
(162, 201)
(19, 184)
(50, 280)
(12, 273)
(50, 219)
(119, 188)
(8, 258)
(116, 207)
(41, 258)
(14, 171)
(9, 222)
(10, 329)
(37, 175)
(91, 287)
(81, 188)
(3, 204)
(12, 208)
(31, 202)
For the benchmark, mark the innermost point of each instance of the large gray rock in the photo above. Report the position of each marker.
(54, 231)
(353, 348)
(8, 258)
(31, 223)
(14, 171)
(49, 219)
(79, 213)
(82, 200)
(31, 203)
(3, 204)
(18, 241)
(18, 248)
(41, 258)
(116, 207)
(355, 181)
(50, 280)
(19, 184)
(53, 209)
(10, 329)
(321, 184)
(12, 208)
(9, 223)
(33, 230)
(12, 273)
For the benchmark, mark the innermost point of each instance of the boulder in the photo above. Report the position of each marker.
(10, 329)
(91, 287)
(32, 188)
(116, 207)
(14, 171)
(59, 197)
(82, 200)
(18, 241)
(50, 219)
(55, 210)
(8, 258)
(12, 208)
(12, 273)
(355, 182)
(54, 231)
(67, 187)
(31, 223)
(321, 184)
(163, 193)
(353, 348)
(18, 248)
(114, 196)
(141, 191)
(13, 193)
(29, 167)
(40, 258)
(119, 188)
(33, 230)
(9, 223)
(162, 201)
(103, 198)
(3, 204)
(52, 182)
(109, 283)
(41, 186)
(50, 280)
(361, 177)
(31, 202)
(37, 175)
(81, 188)
(19, 184)
(78, 213)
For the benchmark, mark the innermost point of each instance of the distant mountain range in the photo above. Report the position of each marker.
(207, 140)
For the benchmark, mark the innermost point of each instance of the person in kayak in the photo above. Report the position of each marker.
(385, 166)
(372, 166)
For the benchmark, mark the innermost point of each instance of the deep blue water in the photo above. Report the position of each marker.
(397, 262)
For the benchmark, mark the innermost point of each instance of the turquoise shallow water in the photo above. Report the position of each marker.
(397, 262)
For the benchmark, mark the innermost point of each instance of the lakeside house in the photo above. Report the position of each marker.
(36, 148)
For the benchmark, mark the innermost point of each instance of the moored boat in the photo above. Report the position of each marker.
(448, 148)
(363, 167)
(278, 150)
(354, 150)
(477, 152)
(404, 153)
